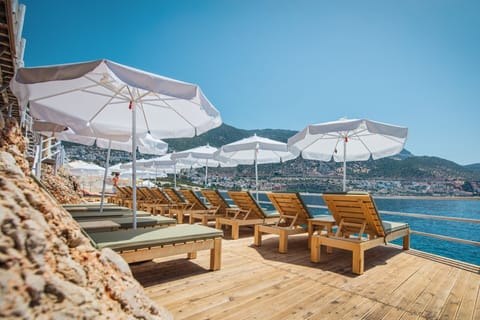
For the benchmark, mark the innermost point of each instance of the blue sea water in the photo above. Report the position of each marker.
(453, 208)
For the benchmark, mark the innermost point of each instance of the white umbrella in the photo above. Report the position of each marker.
(255, 150)
(79, 168)
(146, 144)
(348, 140)
(102, 98)
(164, 163)
(202, 156)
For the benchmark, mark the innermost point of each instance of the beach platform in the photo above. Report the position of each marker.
(261, 283)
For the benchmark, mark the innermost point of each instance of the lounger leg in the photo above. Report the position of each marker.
(283, 242)
(192, 255)
(179, 216)
(216, 255)
(257, 238)
(218, 225)
(357, 260)
(205, 221)
(406, 242)
(235, 231)
(315, 246)
(191, 219)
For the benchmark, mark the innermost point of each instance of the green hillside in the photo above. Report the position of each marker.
(403, 166)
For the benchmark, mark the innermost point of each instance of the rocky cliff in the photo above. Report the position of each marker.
(48, 269)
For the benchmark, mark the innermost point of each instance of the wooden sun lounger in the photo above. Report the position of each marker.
(217, 200)
(109, 213)
(159, 203)
(359, 228)
(294, 216)
(80, 208)
(249, 213)
(147, 244)
(126, 222)
(196, 207)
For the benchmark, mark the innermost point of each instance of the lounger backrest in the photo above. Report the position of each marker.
(245, 201)
(173, 195)
(160, 196)
(354, 209)
(193, 199)
(125, 192)
(290, 206)
(216, 200)
(143, 193)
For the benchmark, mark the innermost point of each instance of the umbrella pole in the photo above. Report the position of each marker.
(107, 163)
(256, 174)
(206, 174)
(134, 164)
(345, 165)
(175, 175)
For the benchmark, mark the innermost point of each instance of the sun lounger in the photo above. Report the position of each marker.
(109, 213)
(79, 208)
(294, 216)
(98, 225)
(126, 222)
(359, 228)
(196, 207)
(217, 200)
(249, 213)
(147, 244)
(159, 202)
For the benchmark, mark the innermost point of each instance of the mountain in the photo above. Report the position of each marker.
(473, 167)
(403, 166)
(226, 134)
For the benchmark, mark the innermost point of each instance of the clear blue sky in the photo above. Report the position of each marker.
(286, 64)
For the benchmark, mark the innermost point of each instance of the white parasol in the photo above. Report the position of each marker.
(112, 101)
(348, 140)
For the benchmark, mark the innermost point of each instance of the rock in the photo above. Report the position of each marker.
(48, 268)
(111, 258)
(9, 166)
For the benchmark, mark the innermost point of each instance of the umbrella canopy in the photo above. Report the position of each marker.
(146, 144)
(254, 150)
(165, 164)
(348, 140)
(79, 168)
(203, 156)
(108, 100)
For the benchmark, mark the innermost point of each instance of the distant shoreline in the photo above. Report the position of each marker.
(428, 197)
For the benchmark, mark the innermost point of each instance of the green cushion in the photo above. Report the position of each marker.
(127, 222)
(90, 204)
(144, 238)
(95, 208)
(96, 214)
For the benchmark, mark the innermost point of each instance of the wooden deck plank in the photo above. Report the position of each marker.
(260, 283)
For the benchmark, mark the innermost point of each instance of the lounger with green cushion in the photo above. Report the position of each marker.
(217, 200)
(294, 216)
(108, 213)
(196, 207)
(126, 222)
(98, 225)
(359, 228)
(249, 213)
(79, 208)
(87, 205)
(147, 244)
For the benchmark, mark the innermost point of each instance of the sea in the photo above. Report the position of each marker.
(439, 207)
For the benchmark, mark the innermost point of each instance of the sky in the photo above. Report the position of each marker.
(287, 64)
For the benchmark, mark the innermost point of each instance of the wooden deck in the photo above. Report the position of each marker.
(260, 283)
